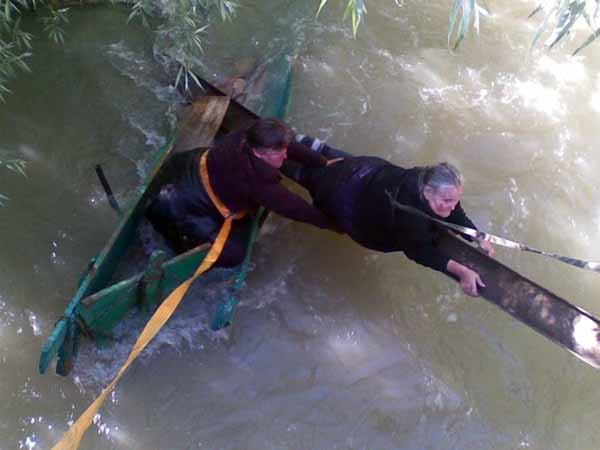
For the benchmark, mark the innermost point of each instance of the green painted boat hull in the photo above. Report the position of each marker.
(100, 303)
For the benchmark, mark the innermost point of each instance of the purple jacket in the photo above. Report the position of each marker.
(244, 182)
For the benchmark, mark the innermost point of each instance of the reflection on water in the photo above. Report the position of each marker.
(333, 346)
(585, 335)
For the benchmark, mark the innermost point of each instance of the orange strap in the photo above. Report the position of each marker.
(72, 438)
(224, 210)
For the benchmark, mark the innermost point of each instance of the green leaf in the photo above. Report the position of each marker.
(201, 29)
(20, 61)
(535, 11)
(361, 11)
(227, 9)
(587, 42)
(193, 76)
(540, 30)
(16, 165)
(178, 77)
(356, 9)
(588, 19)
(567, 18)
(453, 17)
(138, 9)
(323, 3)
(476, 19)
(348, 10)
(465, 21)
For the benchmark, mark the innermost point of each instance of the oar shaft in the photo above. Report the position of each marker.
(481, 235)
(109, 194)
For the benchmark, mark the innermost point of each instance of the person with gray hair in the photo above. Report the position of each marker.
(357, 192)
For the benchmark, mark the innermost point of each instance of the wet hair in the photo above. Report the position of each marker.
(268, 134)
(439, 176)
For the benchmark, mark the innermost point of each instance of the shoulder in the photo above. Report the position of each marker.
(399, 179)
(229, 141)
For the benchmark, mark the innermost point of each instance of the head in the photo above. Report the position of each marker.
(268, 140)
(441, 186)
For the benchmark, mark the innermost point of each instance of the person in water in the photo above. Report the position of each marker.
(355, 191)
(243, 173)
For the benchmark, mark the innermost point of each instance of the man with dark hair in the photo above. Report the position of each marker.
(357, 191)
(241, 173)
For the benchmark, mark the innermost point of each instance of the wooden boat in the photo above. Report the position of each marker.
(550, 315)
(102, 299)
(101, 302)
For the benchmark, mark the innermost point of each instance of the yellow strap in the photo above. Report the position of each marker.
(224, 210)
(72, 438)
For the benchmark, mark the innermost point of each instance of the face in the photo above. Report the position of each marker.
(443, 201)
(272, 156)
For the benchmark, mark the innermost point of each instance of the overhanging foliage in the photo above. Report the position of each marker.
(14, 164)
(184, 21)
(559, 19)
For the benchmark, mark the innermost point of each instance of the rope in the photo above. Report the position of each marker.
(483, 236)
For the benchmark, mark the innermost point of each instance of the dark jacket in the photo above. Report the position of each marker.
(354, 192)
(244, 182)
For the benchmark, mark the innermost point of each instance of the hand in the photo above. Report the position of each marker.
(487, 247)
(469, 280)
(333, 161)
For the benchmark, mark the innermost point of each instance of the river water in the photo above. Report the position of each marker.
(334, 346)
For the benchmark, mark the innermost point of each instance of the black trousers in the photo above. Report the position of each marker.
(308, 177)
(183, 213)
(334, 189)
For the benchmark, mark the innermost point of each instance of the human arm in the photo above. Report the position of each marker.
(277, 198)
(431, 257)
(421, 246)
(426, 254)
(459, 217)
(303, 155)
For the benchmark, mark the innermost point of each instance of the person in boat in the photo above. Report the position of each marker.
(356, 190)
(243, 174)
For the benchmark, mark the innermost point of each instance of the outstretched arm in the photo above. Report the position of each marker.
(303, 155)
(427, 254)
(459, 217)
(282, 201)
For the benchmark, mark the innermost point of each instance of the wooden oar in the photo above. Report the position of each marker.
(200, 123)
(109, 193)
